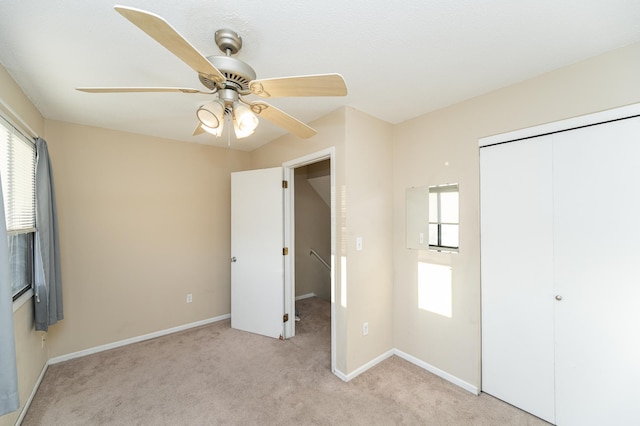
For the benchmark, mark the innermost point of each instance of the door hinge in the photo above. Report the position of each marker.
(285, 251)
(285, 318)
(285, 184)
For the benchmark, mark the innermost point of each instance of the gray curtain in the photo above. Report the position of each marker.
(48, 285)
(9, 400)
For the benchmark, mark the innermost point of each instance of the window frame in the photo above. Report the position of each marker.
(28, 261)
(24, 292)
(438, 190)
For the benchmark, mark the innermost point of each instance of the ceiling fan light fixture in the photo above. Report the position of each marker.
(217, 132)
(240, 133)
(245, 121)
(211, 115)
(230, 79)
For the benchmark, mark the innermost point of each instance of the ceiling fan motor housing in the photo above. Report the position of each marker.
(237, 73)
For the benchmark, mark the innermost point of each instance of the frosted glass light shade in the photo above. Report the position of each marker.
(211, 115)
(245, 122)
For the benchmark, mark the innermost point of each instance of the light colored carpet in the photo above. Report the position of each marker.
(214, 375)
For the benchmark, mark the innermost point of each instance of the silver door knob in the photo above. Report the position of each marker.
(233, 259)
(558, 297)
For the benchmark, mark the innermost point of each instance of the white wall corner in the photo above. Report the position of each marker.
(341, 375)
(355, 373)
(424, 365)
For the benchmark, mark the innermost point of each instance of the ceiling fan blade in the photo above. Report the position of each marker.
(304, 85)
(198, 130)
(162, 32)
(282, 119)
(139, 89)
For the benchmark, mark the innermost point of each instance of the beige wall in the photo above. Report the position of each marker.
(143, 221)
(421, 148)
(331, 133)
(312, 231)
(364, 199)
(30, 351)
(368, 205)
(14, 102)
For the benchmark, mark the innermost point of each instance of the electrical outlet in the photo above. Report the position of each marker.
(359, 243)
(189, 298)
(365, 328)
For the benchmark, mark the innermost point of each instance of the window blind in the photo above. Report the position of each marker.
(17, 165)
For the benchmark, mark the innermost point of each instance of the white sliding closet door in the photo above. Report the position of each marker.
(596, 178)
(517, 274)
(560, 224)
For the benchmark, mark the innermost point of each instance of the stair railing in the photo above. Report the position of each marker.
(317, 256)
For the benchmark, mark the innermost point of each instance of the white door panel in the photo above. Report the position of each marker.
(560, 233)
(257, 280)
(597, 249)
(517, 274)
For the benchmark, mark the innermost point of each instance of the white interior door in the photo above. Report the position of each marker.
(257, 274)
(517, 274)
(597, 249)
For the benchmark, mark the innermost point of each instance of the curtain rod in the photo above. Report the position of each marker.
(15, 118)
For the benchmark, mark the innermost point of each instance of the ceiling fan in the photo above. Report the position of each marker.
(230, 80)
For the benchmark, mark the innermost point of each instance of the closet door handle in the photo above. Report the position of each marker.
(558, 297)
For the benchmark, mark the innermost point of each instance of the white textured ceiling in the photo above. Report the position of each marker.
(400, 59)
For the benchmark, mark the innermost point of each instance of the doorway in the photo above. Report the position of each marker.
(310, 228)
(312, 209)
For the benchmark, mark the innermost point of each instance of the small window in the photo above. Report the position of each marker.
(443, 217)
(17, 168)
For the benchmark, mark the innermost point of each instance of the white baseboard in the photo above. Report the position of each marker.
(27, 403)
(341, 375)
(435, 370)
(365, 367)
(136, 339)
(305, 296)
(430, 368)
